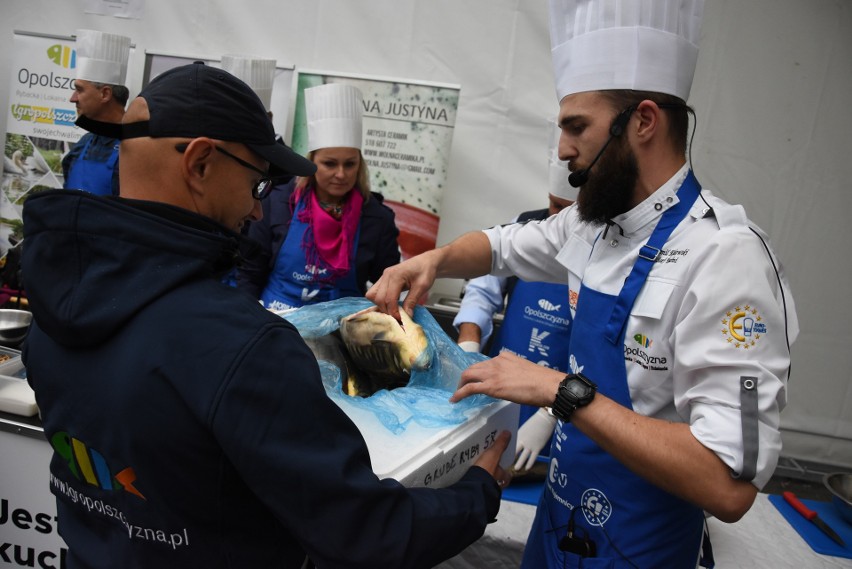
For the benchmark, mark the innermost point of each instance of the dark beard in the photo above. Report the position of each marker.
(609, 191)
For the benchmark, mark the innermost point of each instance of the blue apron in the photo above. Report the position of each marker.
(90, 175)
(292, 285)
(536, 326)
(631, 522)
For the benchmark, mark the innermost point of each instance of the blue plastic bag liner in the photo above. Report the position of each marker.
(425, 400)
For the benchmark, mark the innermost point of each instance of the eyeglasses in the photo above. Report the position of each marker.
(260, 189)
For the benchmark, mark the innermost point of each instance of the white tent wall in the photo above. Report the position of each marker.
(771, 92)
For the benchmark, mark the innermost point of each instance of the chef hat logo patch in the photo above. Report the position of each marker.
(743, 327)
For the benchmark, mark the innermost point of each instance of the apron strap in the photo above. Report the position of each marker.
(648, 255)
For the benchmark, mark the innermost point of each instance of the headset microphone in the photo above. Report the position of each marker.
(580, 177)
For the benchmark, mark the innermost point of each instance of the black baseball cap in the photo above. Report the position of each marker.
(198, 100)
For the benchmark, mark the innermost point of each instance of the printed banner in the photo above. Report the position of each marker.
(29, 535)
(407, 135)
(282, 84)
(40, 125)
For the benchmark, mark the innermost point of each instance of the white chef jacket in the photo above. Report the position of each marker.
(483, 297)
(713, 310)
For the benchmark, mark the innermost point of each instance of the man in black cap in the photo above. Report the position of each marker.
(189, 425)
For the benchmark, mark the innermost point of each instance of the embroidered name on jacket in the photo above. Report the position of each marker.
(672, 255)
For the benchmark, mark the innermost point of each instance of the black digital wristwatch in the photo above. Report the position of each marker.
(575, 391)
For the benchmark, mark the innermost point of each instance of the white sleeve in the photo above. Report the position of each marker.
(732, 355)
(529, 250)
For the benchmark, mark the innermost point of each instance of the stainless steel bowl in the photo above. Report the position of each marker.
(840, 486)
(14, 325)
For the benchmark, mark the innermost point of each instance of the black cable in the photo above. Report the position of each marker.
(783, 299)
(609, 538)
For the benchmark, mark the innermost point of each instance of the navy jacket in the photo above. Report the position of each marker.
(377, 242)
(190, 425)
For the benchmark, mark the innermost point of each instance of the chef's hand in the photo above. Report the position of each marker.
(416, 275)
(532, 436)
(512, 378)
(490, 459)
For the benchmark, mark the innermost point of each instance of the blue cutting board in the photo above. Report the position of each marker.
(524, 492)
(814, 536)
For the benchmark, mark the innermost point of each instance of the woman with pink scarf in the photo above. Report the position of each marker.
(325, 236)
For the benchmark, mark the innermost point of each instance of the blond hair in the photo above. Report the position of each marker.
(362, 182)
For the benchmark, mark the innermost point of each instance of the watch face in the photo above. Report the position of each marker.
(577, 389)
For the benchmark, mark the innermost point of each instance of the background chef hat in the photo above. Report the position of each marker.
(333, 114)
(256, 72)
(557, 170)
(102, 57)
(647, 45)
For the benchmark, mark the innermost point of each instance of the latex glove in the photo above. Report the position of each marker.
(532, 436)
(469, 346)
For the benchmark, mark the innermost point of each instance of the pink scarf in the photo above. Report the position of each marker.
(328, 242)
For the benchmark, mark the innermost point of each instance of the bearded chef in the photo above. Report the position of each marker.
(682, 318)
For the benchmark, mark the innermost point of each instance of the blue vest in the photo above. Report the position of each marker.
(632, 522)
(90, 175)
(536, 326)
(292, 283)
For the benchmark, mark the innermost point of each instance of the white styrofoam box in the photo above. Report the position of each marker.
(413, 433)
(16, 395)
(436, 457)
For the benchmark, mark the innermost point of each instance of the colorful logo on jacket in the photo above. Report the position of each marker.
(643, 340)
(89, 466)
(646, 359)
(596, 507)
(743, 327)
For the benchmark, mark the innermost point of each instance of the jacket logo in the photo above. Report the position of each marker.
(90, 466)
(643, 340)
(743, 327)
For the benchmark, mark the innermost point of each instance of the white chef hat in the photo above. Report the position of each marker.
(647, 45)
(257, 72)
(333, 113)
(557, 170)
(102, 57)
